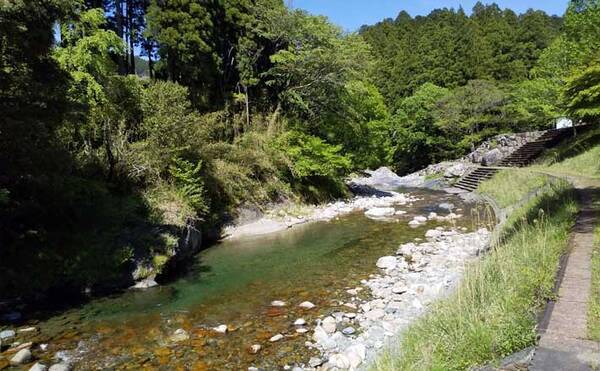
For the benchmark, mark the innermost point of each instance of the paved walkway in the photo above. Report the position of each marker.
(563, 344)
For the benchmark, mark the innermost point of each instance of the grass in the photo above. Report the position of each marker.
(508, 187)
(578, 156)
(493, 311)
(594, 309)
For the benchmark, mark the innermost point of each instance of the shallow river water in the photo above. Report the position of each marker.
(233, 283)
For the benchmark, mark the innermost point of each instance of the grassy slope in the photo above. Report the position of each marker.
(509, 187)
(493, 311)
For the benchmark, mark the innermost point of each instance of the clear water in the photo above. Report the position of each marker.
(233, 283)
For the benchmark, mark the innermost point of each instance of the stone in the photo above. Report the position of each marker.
(315, 362)
(179, 335)
(302, 330)
(60, 367)
(300, 322)
(455, 171)
(380, 212)
(348, 330)
(255, 348)
(420, 219)
(38, 367)
(492, 157)
(307, 305)
(375, 314)
(350, 315)
(276, 338)
(43, 347)
(220, 329)
(329, 325)
(433, 233)
(339, 361)
(145, 284)
(399, 288)
(23, 356)
(446, 206)
(6, 334)
(387, 262)
(400, 212)
(278, 303)
(414, 223)
(28, 329)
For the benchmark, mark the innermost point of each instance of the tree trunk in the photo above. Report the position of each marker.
(131, 36)
(247, 108)
(150, 62)
(119, 19)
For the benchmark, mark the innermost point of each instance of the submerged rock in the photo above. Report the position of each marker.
(276, 338)
(60, 367)
(23, 356)
(220, 329)
(387, 262)
(380, 212)
(278, 303)
(38, 367)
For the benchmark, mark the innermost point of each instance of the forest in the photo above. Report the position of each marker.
(123, 121)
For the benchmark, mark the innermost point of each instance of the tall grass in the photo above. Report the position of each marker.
(493, 311)
(510, 186)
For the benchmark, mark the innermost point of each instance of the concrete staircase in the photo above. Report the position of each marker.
(523, 156)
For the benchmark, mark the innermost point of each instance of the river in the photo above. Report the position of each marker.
(234, 283)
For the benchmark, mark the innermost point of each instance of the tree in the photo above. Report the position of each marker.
(582, 94)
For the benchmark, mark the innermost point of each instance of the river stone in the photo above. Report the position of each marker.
(386, 262)
(145, 284)
(220, 329)
(446, 206)
(339, 361)
(380, 212)
(278, 303)
(276, 338)
(348, 330)
(414, 223)
(329, 325)
(179, 335)
(28, 329)
(399, 288)
(315, 362)
(433, 233)
(300, 322)
(375, 314)
(23, 356)
(255, 348)
(6, 334)
(420, 219)
(492, 157)
(38, 367)
(302, 330)
(350, 315)
(307, 305)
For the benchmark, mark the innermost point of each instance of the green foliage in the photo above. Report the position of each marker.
(533, 104)
(188, 179)
(582, 94)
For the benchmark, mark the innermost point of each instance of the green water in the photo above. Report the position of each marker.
(233, 283)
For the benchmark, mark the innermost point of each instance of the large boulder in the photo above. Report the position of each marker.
(492, 157)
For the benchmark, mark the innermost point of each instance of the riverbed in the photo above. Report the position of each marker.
(234, 284)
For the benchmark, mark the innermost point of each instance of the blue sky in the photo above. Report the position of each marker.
(351, 14)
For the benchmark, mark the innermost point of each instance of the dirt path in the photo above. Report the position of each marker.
(563, 344)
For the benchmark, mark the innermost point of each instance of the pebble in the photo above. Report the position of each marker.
(307, 305)
(38, 367)
(255, 348)
(315, 362)
(386, 262)
(28, 329)
(278, 303)
(348, 331)
(220, 329)
(276, 338)
(339, 361)
(60, 367)
(302, 330)
(179, 335)
(375, 314)
(350, 315)
(23, 356)
(329, 325)
(300, 322)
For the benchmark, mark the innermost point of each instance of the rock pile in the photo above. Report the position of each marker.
(417, 275)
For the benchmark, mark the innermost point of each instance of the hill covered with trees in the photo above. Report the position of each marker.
(247, 102)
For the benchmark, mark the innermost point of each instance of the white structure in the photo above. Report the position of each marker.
(563, 122)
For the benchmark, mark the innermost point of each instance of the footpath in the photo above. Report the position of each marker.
(564, 343)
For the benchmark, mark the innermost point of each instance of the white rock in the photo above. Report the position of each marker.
(255, 348)
(400, 212)
(220, 329)
(180, 335)
(315, 362)
(359, 349)
(433, 233)
(300, 322)
(329, 325)
(278, 303)
(28, 329)
(414, 223)
(387, 262)
(380, 212)
(399, 288)
(276, 338)
(60, 367)
(302, 330)
(420, 219)
(144, 284)
(307, 305)
(375, 314)
(350, 315)
(38, 367)
(339, 361)
(23, 356)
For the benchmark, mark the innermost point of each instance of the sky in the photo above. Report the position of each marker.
(351, 14)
